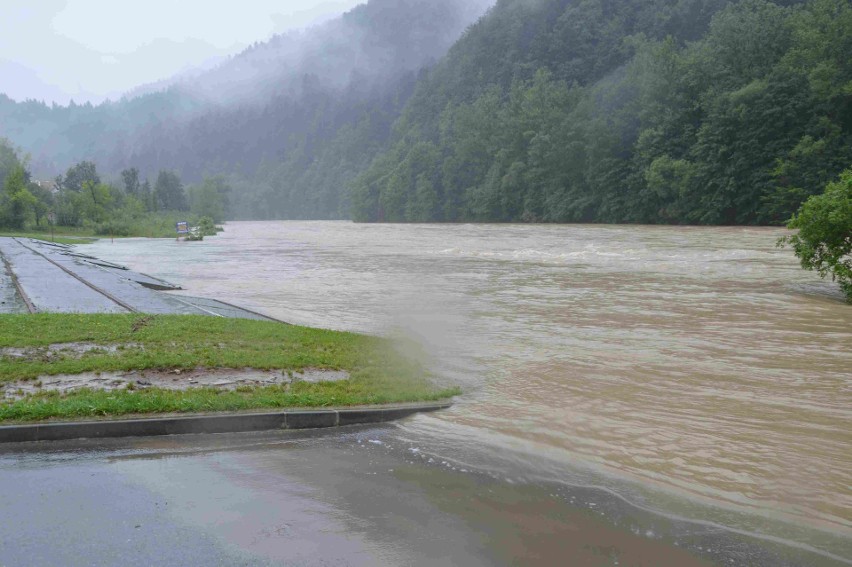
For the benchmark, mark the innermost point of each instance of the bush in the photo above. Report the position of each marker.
(207, 227)
(113, 228)
(824, 240)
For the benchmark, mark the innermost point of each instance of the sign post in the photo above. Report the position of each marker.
(51, 219)
(182, 227)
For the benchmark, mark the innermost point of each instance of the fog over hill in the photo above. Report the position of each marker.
(660, 111)
(261, 102)
(371, 44)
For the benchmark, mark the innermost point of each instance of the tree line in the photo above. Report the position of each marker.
(81, 199)
(692, 111)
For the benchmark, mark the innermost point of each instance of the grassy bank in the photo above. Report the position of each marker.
(145, 225)
(62, 235)
(378, 374)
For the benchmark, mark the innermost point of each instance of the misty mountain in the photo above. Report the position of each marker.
(660, 111)
(281, 100)
(371, 44)
(185, 75)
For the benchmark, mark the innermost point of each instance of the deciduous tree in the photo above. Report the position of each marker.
(824, 239)
(17, 202)
(169, 192)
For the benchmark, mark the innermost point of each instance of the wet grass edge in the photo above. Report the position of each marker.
(379, 374)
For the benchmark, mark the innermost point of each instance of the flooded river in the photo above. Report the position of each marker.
(698, 372)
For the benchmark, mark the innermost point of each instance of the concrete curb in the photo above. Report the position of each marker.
(220, 423)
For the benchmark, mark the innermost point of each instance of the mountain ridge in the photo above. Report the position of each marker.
(667, 111)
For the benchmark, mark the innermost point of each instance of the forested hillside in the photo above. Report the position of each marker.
(290, 121)
(660, 111)
(652, 111)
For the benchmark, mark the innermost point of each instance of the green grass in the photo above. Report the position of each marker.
(378, 373)
(149, 225)
(61, 235)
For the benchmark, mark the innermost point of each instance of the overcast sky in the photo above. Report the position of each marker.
(56, 50)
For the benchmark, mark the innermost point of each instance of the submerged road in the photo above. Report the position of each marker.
(38, 276)
(358, 496)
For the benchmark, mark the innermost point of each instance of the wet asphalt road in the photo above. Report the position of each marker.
(352, 496)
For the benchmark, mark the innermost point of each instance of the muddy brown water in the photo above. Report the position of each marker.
(695, 371)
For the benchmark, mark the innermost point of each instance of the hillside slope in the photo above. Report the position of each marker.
(666, 111)
(274, 110)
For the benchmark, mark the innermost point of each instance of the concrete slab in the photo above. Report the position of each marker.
(48, 287)
(222, 309)
(57, 278)
(10, 301)
(116, 283)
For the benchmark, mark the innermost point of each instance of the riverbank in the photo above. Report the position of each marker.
(44, 356)
(147, 225)
(83, 338)
(60, 237)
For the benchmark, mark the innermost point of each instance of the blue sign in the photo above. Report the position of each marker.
(182, 227)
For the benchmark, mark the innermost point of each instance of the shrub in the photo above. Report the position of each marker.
(824, 240)
(113, 228)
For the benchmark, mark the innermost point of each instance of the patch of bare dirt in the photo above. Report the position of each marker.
(139, 323)
(223, 378)
(62, 350)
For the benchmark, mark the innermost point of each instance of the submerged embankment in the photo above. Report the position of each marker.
(38, 276)
(81, 337)
(698, 371)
